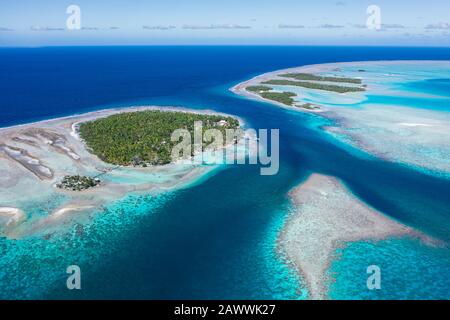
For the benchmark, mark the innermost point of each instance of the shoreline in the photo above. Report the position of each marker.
(35, 156)
(326, 216)
(96, 114)
(329, 66)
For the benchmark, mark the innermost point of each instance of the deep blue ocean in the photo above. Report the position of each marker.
(217, 239)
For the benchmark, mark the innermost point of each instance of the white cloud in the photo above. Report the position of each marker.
(438, 26)
(215, 26)
(89, 28)
(159, 27)
(290, 26)
(39, 28)
(330, 26)
(358, 26)
(392, 26)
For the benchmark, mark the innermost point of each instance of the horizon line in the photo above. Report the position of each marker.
(227, 45)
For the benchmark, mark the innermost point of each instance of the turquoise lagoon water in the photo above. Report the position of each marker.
(439, 86)
(419, 265)
(423, 87)
(217, 238)
(32, 265)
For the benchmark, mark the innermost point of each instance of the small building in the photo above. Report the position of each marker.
(222, 123)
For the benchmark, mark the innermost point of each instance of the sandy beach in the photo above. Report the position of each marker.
(326, 216)
(12, 215)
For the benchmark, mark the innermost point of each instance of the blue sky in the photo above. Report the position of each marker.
(179, 22)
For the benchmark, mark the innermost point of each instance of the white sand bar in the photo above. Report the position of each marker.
(11, 215)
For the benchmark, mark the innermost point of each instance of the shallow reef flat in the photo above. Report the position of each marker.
(403, 115)
(416, 137)
(325, 217)
(35, 157)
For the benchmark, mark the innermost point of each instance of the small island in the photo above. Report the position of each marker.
(143, 138)
(286, 97)
(89, 160)
(258, 89)
(272, 87)
(308, 106)
(313, 77)
(78, 183)
(265, 92)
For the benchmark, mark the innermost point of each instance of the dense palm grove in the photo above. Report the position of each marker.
(313, 77)
(144, 138)
(287, 98)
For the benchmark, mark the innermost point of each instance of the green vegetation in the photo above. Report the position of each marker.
(282, 97)
(308, 106)
(286, 98)
(77, 183)
(144, 138)
(258, 89)
(312, 77)
(265, 92)
(313, 85)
